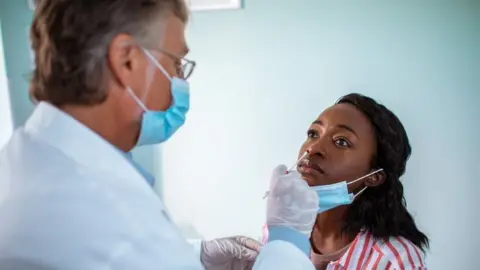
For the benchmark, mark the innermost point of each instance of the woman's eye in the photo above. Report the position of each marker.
(312, 134)
(342, 143)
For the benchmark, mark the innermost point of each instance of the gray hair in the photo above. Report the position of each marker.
(70, 39)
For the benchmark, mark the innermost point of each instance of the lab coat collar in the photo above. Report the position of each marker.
(75, 140)
(148, 177)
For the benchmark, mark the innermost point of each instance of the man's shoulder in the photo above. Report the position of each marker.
(26, 162)
(25, 150)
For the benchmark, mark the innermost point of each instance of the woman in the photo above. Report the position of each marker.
(349, 140)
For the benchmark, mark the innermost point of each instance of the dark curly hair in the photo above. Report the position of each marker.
(382, 210)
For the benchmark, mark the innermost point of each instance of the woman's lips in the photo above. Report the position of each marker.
(307, 167)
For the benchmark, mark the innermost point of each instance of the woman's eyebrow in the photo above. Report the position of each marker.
(341, 126)
(347, 128)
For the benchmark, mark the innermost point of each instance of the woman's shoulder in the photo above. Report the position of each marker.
(400, 253)
(368, 252)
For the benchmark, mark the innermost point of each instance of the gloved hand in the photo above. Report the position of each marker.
(231, 253)
(291, 202)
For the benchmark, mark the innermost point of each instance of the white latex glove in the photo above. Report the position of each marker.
(231, 253)
(291, 202)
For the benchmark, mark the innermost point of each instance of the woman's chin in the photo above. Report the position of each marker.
(310, 179)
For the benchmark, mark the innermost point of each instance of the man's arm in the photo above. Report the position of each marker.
(237, 252)
(282, 255)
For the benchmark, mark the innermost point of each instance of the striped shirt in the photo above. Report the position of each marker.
(365, 252)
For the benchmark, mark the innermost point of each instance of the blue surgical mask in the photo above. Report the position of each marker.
(334, 195)
(159, 126)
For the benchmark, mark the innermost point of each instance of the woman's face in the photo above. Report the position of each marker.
(341, 144)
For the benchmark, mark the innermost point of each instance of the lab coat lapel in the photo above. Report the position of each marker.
(78, 142)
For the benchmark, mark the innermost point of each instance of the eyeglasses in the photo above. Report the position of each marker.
(185, 68)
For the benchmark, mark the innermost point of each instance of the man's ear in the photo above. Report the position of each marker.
(122, 58)
(376, 179)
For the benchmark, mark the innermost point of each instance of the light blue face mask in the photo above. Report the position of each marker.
(334, 195)
(159, 126)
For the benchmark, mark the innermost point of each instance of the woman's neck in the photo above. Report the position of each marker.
(327, 235)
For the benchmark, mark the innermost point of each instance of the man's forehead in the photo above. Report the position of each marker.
(173, 37)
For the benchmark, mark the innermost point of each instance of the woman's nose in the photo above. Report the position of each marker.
(317, 149)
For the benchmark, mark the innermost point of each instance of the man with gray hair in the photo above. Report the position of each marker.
(110, 75)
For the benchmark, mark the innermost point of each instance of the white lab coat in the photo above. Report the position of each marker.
(70, 200)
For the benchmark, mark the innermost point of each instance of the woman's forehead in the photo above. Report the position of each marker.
(346, 115)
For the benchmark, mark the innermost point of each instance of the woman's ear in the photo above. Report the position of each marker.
(376, 179)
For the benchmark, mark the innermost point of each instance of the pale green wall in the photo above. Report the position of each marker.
(292, 58)
(6, 121)
(16, 17)
(265, 72)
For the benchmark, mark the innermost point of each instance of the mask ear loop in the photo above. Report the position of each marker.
(148, 81)
(137, 100)
(157, 64)
(360, 192)
(149, 78)
(361, 178)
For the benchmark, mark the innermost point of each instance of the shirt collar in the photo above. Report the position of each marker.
(148, 177)
(60, 130)
(360, 248)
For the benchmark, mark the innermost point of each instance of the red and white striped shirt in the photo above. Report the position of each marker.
(365, 252)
